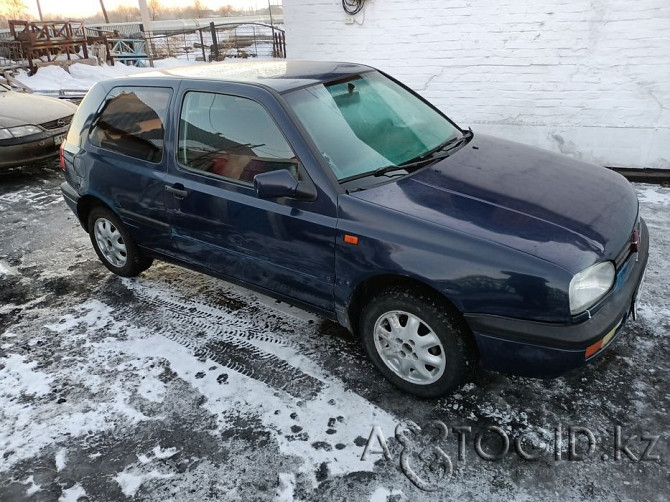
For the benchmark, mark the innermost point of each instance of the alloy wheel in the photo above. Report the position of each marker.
(409, 347)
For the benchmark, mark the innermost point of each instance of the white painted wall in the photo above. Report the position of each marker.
(589, 78)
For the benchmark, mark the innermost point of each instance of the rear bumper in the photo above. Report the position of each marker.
(546, 350)
(70, 195)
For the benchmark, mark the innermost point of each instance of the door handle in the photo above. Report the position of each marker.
(177, 190)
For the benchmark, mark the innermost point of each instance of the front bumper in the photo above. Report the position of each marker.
(21, 151)
(546, 350)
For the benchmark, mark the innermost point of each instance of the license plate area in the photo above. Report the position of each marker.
(59, 139)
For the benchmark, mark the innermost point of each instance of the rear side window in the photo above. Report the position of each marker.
(231, 137)
(132, 122)
(82, 118)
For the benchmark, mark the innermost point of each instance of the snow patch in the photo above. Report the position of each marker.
(158, 454)
(285, 492)
(381, 494)
(167, 453)
(33, 488)
(131, 482)
(61, 460)
(151, 387)
(84, 76)
(72, 494)
(19, 377)
(652, 194)
(258, 399)
(6, 269)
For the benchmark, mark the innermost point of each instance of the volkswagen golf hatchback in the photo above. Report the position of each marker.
(336, 188)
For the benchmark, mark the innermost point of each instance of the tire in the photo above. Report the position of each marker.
(419, 344)
(113, 244)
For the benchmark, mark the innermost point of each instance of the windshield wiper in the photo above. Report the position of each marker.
(381, 171)
(448, 145)
(441, 151)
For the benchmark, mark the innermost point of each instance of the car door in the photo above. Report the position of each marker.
(283, 245)
(127, 162)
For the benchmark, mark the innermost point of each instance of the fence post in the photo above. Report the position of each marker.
(215, 43)
(202, 46)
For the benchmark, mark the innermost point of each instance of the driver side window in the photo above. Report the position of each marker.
(231, 137)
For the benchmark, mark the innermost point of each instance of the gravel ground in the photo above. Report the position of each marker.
(177, 386)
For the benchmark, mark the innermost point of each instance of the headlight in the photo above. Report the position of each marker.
(17, 132)
(590, 285)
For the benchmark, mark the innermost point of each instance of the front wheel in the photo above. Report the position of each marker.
(416, 342)
(113, 245)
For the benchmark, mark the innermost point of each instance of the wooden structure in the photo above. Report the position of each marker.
(49, 41)
(35, 44)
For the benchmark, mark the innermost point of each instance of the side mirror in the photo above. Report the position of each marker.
(281, 183)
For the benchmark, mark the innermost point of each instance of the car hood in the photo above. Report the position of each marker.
(18, 109)
(568, 212)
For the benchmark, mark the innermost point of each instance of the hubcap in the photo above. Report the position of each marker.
(409, 347)
(110, 242)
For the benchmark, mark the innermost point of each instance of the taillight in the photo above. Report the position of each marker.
(61, 156)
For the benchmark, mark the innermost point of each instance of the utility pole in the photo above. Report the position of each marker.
(39, 10)
(146, 16)
(270, 11)
(147, 29)
(275, 46)
(104, 11)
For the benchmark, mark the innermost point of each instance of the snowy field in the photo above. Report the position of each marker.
(177, 386)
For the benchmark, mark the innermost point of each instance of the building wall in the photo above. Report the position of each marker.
(589, 78)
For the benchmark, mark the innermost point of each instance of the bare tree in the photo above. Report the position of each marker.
(226, 10)
(13, 9)
(199, 8)
(156, 8)
(125, 14)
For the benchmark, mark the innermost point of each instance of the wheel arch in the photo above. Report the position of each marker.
(86, 205)
(371, 286)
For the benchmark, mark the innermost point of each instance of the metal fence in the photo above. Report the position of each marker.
(212, 43)
(127, 43)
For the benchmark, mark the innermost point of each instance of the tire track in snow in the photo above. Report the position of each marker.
(224, 337)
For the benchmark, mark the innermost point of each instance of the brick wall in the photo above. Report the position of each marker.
(589, 78)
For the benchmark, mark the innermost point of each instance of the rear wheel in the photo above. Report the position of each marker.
(417, 343)
(113, 245)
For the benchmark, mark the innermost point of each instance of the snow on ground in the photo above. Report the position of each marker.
(82, 76)
(72, 494)
(178, 386)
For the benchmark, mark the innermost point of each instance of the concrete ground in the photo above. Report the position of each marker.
(177, 386)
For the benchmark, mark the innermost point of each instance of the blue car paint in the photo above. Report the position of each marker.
(498, 228)
(536, 360)
(285, 246)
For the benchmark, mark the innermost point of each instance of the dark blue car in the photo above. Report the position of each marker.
(334, 187)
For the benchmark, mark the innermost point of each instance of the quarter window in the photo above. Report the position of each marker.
(231, 137)
(132, 121)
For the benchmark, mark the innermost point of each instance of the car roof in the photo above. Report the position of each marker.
(280, 75)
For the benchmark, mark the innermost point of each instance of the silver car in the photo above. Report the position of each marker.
(31, 127)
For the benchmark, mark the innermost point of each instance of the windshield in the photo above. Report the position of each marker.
(368, 122)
